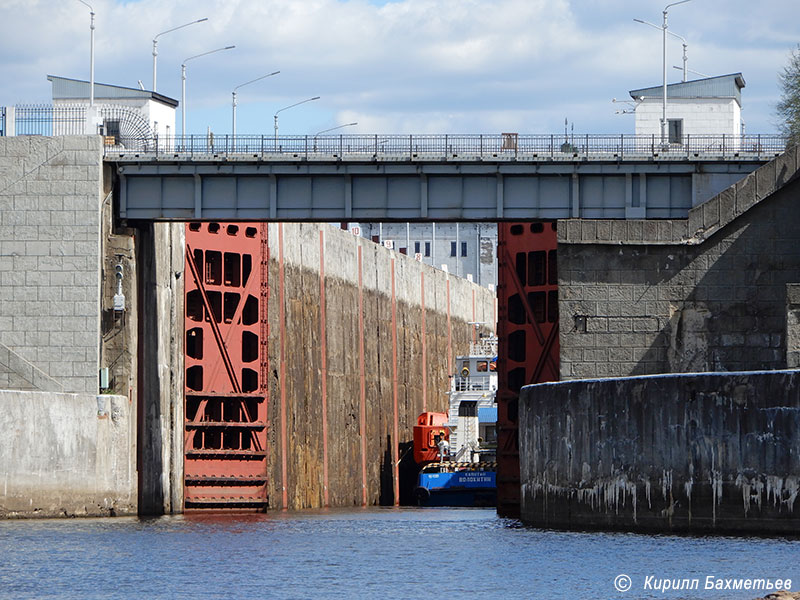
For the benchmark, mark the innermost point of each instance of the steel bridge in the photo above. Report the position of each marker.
(428, 177)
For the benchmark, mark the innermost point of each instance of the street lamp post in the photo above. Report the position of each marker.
(287, 108)
(664, 84)
(335, 128)
(91, 53)
(155, 44)
(183, 84)
(331, 129)
(683, 41)
(233, 124)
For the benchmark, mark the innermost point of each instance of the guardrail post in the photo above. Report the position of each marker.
(723, 145)
(410, 146)
(587, 145)
(552, 149)
(481, 146)
(758, 145)
(652, 143)
(446, 149)
(622, 145)
(376, 144)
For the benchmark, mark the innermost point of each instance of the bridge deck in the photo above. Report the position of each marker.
(413, 178)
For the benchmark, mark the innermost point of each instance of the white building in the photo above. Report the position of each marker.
(711, 106)
(468, 250)
(152, 114)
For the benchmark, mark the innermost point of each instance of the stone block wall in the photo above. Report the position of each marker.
(707, 293)
(50, 198)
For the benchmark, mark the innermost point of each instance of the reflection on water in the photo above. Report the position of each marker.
(370, 553)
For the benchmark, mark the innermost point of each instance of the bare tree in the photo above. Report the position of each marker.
(788, 108)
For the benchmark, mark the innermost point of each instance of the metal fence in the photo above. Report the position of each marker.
(467, 147)
(132, 133)
(49, 120)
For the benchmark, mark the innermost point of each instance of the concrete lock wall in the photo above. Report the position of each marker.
(405, 366)
(50, 198)
(66, 455)
(315, 452)
(707, 293)
(701, 452)
(59, 251)
(158, 352)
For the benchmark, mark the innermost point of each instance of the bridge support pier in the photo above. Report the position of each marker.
(160, 260)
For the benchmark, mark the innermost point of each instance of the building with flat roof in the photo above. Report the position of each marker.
(157, 110)
(710, 106)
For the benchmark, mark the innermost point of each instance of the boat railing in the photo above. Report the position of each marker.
(478, 383)
(486, 346)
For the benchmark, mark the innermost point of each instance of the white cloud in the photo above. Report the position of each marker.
(405, 66)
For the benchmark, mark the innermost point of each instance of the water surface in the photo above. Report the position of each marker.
(370, 553)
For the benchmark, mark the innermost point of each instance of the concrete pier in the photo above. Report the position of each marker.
(711, 452)
(66, 455)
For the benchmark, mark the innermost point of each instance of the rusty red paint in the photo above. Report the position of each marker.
(225, 440)
(362, 379)
(527, 327)
(474, 319)
(282, 321)
(324, 367)
(449, 333)
(395, 410)
(424, 365)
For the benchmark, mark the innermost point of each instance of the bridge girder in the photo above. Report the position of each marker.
(352, 191)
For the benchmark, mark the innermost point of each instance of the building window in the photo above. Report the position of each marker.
(416, 247)
(427, 248)
(675, 131)
(452, 248)
(112, 130)
(463, 248)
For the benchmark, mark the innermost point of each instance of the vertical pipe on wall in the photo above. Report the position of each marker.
(282, 321)
(362, 377)
(396, 426)
(458, 253)
(478, 253)
(474, 320)
(449, 333)
(324, 368)
(424, 348)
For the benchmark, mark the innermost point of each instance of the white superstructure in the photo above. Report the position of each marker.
(472, 417)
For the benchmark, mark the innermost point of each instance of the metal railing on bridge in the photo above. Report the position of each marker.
(463, 147)
(130, 132)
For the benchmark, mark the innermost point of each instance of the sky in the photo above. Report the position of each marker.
(400, 66)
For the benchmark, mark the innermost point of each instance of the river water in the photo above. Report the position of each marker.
(371, 553)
